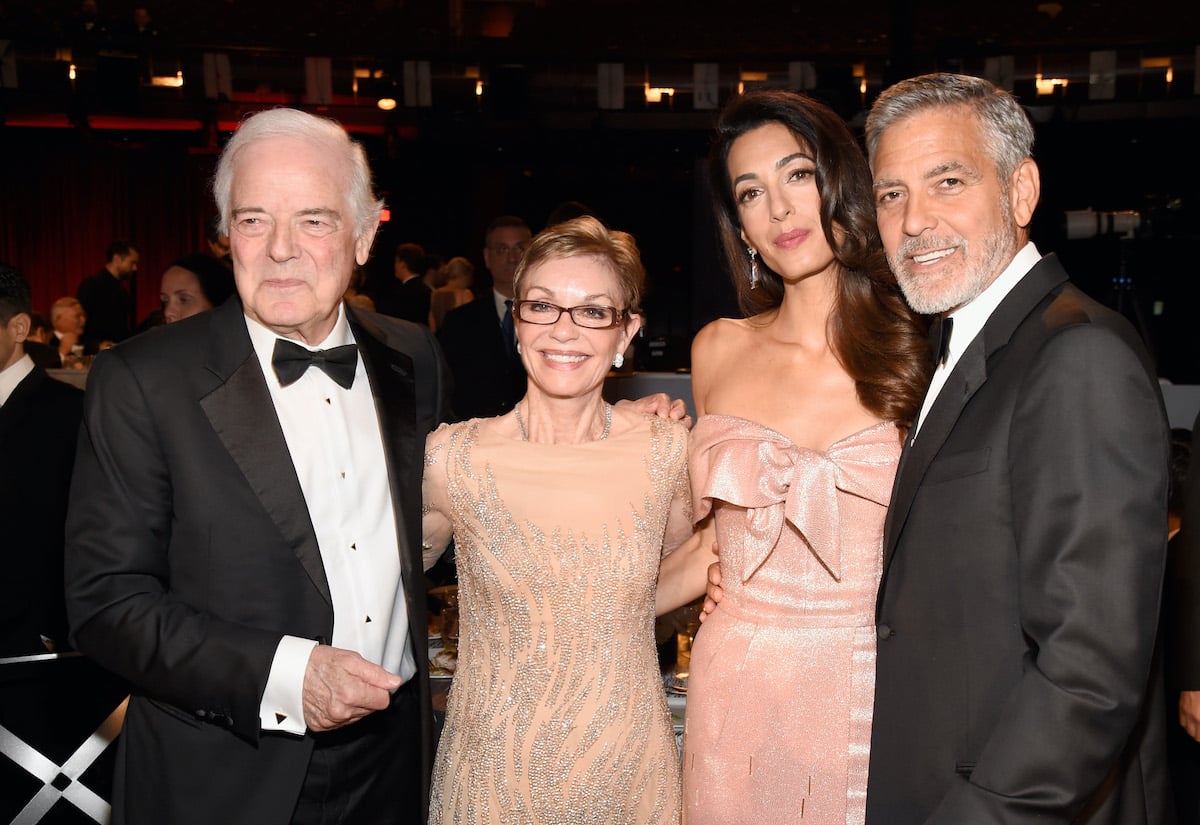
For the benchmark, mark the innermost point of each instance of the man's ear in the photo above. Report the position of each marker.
(362, 245)
(19, 325)
(1025, 188)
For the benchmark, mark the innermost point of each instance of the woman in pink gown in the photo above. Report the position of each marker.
(801, 409)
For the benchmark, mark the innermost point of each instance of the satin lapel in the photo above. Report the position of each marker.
(243, 416)
(969, 375)
(391, 375)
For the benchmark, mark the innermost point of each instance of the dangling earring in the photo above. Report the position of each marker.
(618, 360)
(518, 347)
(753, 267)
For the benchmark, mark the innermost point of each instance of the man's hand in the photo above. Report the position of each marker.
(341, 687)
(714, 593)
(663, 406)
(1189, 712)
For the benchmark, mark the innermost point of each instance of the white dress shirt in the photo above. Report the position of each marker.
(502, 308)
(9, 378)
(334, 438)
(969, 320)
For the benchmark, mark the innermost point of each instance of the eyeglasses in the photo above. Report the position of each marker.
(589, 316)
(504, 250)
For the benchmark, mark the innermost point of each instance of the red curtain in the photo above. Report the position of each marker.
(65, 195)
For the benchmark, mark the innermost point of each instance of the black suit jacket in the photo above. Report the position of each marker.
(39, 425)
(1185, 660)
(44, 355)
(1024, 555)
(488, 379)
(108, 306)
(408, 301)
(191, 552)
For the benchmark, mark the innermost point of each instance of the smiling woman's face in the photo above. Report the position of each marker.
(563, 359)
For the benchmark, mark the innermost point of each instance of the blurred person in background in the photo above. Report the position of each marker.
(457, 277)
(106, 299)
(39, 424)
(193, 284)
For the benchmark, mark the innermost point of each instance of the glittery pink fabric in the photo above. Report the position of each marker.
(778, 724)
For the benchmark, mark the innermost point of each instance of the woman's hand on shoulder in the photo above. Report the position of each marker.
(661, 405)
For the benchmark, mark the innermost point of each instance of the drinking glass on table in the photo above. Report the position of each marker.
(450, 622)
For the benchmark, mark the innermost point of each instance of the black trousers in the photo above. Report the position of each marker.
(369, 772)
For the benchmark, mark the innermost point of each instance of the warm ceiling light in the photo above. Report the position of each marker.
(478, 88)
(386, 103)
(71, 71)
(655, 94)
(1046, 86)
(174, 81)
(754, 77)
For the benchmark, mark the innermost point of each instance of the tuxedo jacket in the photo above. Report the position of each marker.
(488, 379)
(1023, 561)
(38, 428)
(191, 552)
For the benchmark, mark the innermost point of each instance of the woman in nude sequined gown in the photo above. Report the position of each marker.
(801, 406)
(560, 511)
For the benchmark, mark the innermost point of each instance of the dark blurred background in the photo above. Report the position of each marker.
(112, 113)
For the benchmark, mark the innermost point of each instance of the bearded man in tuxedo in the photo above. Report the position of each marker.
(1025, 542)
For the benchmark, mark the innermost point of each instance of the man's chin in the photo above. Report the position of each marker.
(923, 300)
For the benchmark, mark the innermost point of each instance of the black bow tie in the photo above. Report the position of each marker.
(939, 339)
(291, 360)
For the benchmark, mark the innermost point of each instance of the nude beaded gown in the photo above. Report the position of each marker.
(781, 689)
(557, 713)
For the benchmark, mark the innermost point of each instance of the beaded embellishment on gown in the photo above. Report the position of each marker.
(781, 688)
(557, 713)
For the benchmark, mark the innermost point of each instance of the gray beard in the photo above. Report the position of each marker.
(931, 298)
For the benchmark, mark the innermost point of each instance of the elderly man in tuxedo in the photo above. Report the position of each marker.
(244, 547)
(1025, 543)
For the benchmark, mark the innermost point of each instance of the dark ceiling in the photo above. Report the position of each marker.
(638, 29)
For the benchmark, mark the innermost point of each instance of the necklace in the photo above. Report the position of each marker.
(603, 434)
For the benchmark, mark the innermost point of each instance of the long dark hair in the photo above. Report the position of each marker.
(878, 340)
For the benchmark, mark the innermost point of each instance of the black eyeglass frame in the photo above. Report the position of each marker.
(619, 315)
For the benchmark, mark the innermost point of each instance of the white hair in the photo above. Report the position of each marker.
(322, 132)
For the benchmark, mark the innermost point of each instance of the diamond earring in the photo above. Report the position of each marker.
(753, 267)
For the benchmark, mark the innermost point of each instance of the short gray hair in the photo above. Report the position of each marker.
(323, 132)
(1007, 132)
(61, 307)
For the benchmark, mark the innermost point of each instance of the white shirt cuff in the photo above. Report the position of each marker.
(282, 707)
